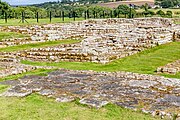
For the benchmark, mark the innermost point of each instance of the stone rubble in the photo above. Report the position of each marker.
(11, 66)
(170, 68)
(157, 95)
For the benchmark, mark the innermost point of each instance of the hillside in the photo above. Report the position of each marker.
(135, 2)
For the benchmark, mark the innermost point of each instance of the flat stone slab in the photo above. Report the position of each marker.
(126, 89)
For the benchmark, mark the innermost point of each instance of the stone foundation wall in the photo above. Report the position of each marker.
(103, 40)
(171, 68)
(83, 29)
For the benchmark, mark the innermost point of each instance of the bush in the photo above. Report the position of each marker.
(161, 13)
(169, 13)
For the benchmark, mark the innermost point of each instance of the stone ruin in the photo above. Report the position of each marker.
(102, 40)
(157, 95)
(170, 68)
(9, 65)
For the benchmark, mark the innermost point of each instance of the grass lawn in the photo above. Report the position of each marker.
(34, 21)
(34, 72)
(7, 35)
(37, 45)
(144, 62)
(35, 107)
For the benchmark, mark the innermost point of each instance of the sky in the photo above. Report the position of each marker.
(25, 2)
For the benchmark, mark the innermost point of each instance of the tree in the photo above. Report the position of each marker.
(160, 12)
(122, 9)
(148, 13)
(169, 13)
(4, 7)
(167, 3)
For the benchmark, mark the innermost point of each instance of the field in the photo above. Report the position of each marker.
(135, 2)
(34, 21)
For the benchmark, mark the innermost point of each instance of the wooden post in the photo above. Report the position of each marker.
(63, 16)
(74, 15)
(103, 14)
(94, 13)
(50, 15)
(23, 17)
(85, 15)
(5, 17)
(37, 16)
(69, 15)
(111, 14)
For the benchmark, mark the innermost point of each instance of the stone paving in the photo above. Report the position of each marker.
(154, 94)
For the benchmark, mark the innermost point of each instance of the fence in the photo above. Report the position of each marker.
(73, 14)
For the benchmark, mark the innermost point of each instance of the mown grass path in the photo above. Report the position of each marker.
(8, 35)
(37, 45)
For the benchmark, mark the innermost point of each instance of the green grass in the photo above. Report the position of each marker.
(34, 21)
(37, 45)
(35, 107)
(177, 22)
(3, 88)
(33, 72)
(144, 62)
(175, 11)
(171, 76)
(7, 35)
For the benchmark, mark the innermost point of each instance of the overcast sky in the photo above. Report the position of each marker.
(25, 2)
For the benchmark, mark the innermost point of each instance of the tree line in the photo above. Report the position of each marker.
(57, 9)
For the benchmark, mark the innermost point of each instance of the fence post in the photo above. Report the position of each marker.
(63, 16)
(94, 13)
(69, 15)
(50, 16)
(103, 14)
(5, 17)
(37, 16)
(111, 14)
(74, 15)
(23, 17)
(87, 14)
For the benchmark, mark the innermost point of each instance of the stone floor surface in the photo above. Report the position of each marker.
(153, 94)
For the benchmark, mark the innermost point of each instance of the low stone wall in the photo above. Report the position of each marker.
(103, 40)
(11, 66)
(170, 68)
(83, 29)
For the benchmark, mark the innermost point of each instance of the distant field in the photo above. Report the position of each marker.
(34, 21)
(135, 2)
